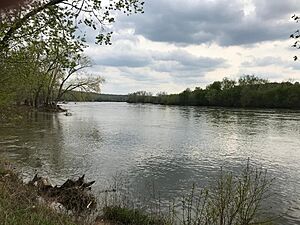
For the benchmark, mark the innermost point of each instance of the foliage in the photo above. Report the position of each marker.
(248, 80)
(83, 96)
(251, 91)
(131, 216)
(44, 18)
(41, 45)
(37, 77)
(140, 96)
(233, 199)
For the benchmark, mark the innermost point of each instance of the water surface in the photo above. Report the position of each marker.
(169, 146)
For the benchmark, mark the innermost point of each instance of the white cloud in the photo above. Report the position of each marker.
(178, 44)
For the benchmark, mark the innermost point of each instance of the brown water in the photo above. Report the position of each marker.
(170, 146)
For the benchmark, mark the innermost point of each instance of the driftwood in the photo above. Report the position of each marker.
(74, 195)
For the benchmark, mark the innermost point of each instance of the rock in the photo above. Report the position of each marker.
(58, 207)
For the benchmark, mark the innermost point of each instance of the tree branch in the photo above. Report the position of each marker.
(18, 24)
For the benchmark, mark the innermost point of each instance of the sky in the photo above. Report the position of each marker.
(178, 44)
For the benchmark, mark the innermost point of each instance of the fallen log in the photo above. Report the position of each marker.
(74, 195)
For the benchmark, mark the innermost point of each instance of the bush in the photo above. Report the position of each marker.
(231, 200)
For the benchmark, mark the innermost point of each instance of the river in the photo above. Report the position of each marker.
(169, 146)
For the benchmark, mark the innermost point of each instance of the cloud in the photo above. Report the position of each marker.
(271, 61)
(262, 62)
(177, 44)
(180, 63)
(123, 53)
(131, 59)
(123, 60)
(220, 21)
(127, 63)
(275, 9)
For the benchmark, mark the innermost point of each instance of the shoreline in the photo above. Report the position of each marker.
(24, 203)
(217, 107)
(34, 203)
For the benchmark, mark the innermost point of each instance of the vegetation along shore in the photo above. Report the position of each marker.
(249, 92)
(232, 199)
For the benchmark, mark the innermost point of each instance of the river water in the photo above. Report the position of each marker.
(168, 146)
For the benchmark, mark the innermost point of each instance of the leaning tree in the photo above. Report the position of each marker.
(54, 32)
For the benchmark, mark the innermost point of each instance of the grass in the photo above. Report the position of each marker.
(232, 200)
(121, 215)
(19, 204)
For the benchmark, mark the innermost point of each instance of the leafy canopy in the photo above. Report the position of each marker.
(62, 21)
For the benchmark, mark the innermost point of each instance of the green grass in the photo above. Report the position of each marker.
(19, 206)
(232, 200)
(229, 200)
(127, 216)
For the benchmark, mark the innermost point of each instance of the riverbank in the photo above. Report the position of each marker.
(19, 203)
(13, 113)
(23, 204)
(16, 113)
(249, 92)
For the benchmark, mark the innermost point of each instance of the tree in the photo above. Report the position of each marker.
(227, 83)
(184, 97)
(40, 77)
(251, 91)
(22, 75)
(199, 97)
(217, 85)
(251, 80)
(140, 96)
(41, 46)
(42, 18)
(86, 84)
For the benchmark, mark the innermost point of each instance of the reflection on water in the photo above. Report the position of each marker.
(173, 147)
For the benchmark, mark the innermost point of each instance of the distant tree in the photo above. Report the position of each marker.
(160, 94)
(198, 96)
(227, 83)
(161, 98)
(251, 80)
(251, 91)
(217, 85)
(213, 93)
(184, 97)
(140, 97)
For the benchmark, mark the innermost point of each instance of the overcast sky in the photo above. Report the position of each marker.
(177, 44)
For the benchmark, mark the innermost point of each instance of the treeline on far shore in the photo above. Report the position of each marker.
(248, 91)
(80, 96)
